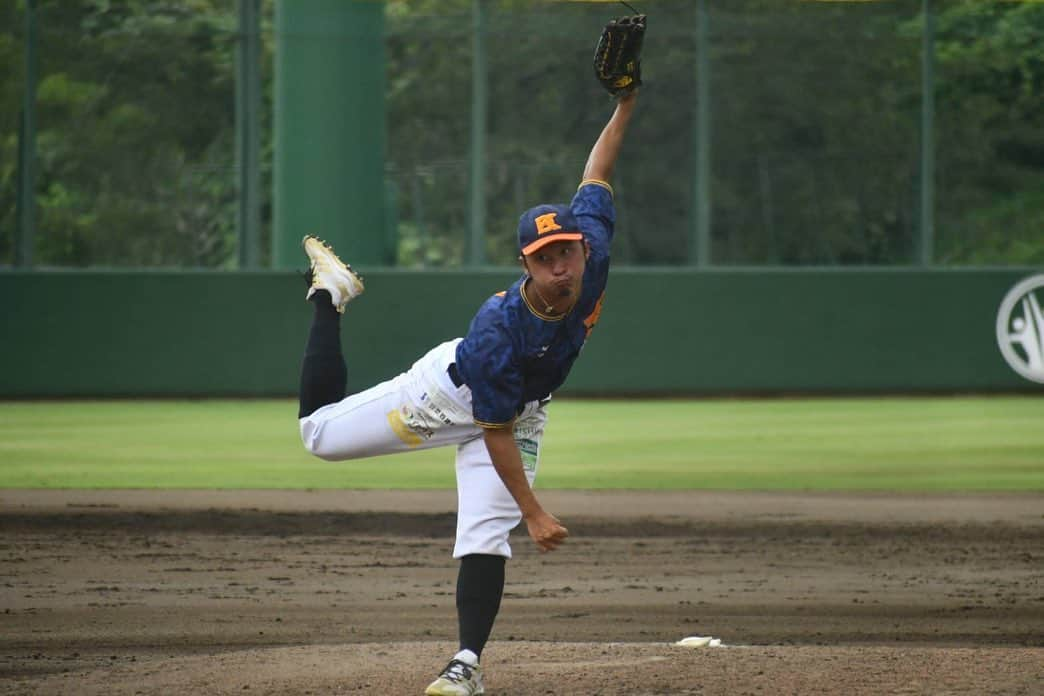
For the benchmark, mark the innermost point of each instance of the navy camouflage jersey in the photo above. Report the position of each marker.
(514, 354)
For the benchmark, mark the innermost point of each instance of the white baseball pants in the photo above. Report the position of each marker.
(421, 409)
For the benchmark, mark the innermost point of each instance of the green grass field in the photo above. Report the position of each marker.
(903, 444)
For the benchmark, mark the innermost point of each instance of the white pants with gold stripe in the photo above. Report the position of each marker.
(421, 409)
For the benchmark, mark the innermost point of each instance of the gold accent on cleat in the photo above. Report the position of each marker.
(330, 273)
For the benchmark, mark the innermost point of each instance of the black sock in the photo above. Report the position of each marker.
(323, 372)
(480, 585)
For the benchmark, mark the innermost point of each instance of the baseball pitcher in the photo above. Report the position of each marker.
(487, 393)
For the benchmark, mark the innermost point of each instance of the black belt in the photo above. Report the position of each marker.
(454, 375)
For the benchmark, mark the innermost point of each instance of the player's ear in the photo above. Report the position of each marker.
(522, 262)
(587, 249)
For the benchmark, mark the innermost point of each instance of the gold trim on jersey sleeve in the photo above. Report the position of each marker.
(494, 426)
(597, 182)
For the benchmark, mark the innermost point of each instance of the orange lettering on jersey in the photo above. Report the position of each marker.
(592, 318)
(547, 223)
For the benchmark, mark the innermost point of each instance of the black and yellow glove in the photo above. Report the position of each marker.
(617, 59)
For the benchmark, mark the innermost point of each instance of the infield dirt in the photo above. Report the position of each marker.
(336, 592)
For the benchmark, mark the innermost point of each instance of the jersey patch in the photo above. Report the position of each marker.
(530, 451)
(406, 432)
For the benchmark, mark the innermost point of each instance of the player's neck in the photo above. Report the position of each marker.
(538, 299)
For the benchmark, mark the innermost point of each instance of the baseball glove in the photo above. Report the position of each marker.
(617, 59)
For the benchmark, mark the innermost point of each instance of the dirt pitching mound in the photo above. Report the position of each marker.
(265, 592)
(572, 668)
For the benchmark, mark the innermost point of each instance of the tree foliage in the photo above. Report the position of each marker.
(815, 117)
(991, 135)
(134, 118)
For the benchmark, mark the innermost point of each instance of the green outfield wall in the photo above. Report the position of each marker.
(90, 333)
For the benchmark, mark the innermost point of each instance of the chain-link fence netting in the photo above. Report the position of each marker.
(808, 118)
(134, 125)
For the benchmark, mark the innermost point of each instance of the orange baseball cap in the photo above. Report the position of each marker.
(544, 224)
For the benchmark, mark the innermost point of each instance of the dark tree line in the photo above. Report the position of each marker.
(815, 116)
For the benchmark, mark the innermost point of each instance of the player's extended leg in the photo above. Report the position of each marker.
(416, 410)
(323, 372)
(381, 420)
(333, 285)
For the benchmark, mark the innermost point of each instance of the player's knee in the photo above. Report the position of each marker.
(318, 446)
(331, 449)
(316, 449)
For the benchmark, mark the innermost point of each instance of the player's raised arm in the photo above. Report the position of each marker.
(602, 160)
(618, 67)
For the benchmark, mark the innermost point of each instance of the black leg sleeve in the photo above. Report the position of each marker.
(480, 586)
(323, 372)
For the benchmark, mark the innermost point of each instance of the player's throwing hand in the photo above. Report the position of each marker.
(546, 531)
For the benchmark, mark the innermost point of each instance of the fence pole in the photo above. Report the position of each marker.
(700, 233)
(27, 153)
(927, 226)
(477, 179)
(328, 176)
(248, 129)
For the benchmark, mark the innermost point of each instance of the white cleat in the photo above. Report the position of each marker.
(331, 274)
(458, 679)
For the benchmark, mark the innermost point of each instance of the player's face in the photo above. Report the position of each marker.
(558, 268)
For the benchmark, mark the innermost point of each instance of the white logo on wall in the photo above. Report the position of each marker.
(1020, 328)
